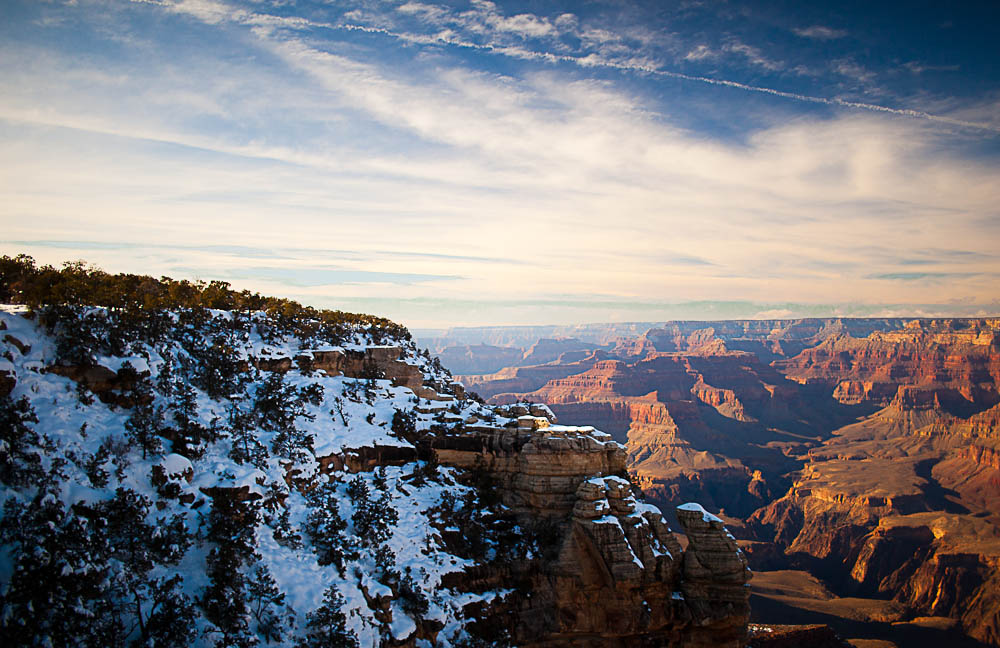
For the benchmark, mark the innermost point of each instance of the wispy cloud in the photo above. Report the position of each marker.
(819, 32)
(920, 68)
(921, 276)
(488, 23)
(754, 56)
(640, 64)
(701, 53)
(309, 277)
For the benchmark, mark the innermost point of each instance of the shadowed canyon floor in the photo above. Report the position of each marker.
(865, 452)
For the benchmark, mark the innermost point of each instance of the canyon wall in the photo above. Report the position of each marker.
(613, 572)
(846, 434)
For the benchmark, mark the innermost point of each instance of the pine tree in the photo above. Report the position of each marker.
(19, 466)
(327, 624)
(246, 447)
(326, 529)
(218, 366)
(153, 605)
(94, 467)
(59, 566)
(231, 526)
(374, 517)
(144, 425)
(266, 604)
(170, 618)
(189, 433)
(278, 405)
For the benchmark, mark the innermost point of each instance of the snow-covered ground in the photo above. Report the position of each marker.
(81, 436)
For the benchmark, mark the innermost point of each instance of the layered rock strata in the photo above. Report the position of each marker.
(617, 575)
(878, 534)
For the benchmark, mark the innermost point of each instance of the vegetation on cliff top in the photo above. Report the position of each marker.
(159, 488)
(78, 284)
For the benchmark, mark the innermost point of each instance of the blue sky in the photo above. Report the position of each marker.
(473, 163)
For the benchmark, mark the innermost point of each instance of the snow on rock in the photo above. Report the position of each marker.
(175, 465)
(698, 508)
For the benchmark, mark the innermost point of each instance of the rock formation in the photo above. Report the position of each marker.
(616, 573)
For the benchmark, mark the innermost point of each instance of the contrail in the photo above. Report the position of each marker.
(904, 112)
(591, 61)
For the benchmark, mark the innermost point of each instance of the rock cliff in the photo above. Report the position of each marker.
(614, 572)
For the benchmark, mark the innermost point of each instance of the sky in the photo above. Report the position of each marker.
(489, 163)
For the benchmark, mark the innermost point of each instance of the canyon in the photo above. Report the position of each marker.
(865, 452)
(287, 474)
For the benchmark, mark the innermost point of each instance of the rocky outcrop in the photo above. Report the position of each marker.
(617, 574)
(96, 378)
(715, 572)
(538, 468)
(375, 361)
(874, 532)
(943, 565)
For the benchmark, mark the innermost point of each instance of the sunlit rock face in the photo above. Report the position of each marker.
(612, 571)
(818, 433)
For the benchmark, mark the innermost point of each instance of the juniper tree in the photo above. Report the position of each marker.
(267, 604)
(326, 529)
(231, 526)
(19, 466)
(278, 405)
(327, 624)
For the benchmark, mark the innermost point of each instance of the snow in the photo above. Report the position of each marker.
(175, 464)
(608, 519)
(402, 625)
(138, 363)
(705, 515)
(374, 588)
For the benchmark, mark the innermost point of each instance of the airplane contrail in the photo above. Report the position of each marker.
(590, 61)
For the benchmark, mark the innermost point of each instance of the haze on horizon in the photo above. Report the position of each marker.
(486, 163)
